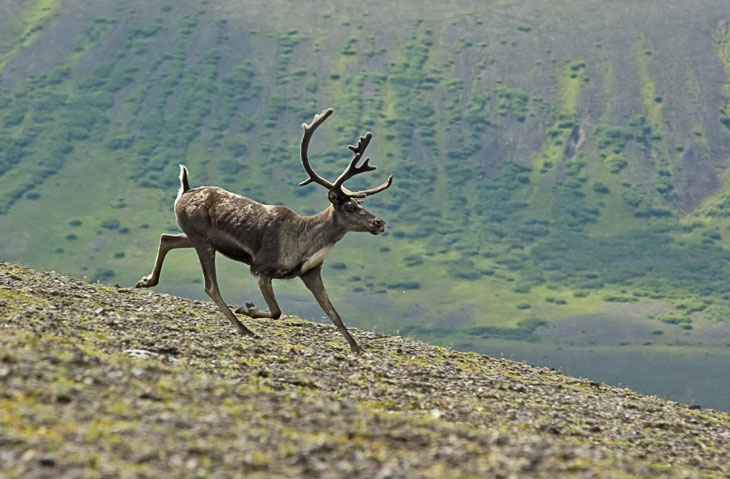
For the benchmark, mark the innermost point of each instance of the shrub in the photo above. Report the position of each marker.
(103, 274)
(599, 187)
(231, 168)
(412, 260)
(615, 163)
(119, 143)
(670, 318)
(523, 332)
(237, 149)
(111, 224)
(407, 285)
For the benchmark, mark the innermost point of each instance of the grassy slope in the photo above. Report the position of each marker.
(107, 382)
(103, 105)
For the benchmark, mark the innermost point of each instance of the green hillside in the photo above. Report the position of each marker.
(560, 167)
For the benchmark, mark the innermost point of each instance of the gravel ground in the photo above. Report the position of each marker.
(106, 382)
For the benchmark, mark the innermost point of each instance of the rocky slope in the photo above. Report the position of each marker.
(109, 382)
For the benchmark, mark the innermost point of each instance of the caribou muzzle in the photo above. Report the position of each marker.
(378, 226)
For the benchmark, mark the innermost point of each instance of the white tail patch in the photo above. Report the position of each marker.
(184, 185)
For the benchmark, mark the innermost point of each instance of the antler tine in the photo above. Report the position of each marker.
(318, 120)
(352, 170)
(372, 191)
(308, 131)
(362, 143)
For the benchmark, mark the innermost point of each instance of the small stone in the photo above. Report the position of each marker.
(140, 353)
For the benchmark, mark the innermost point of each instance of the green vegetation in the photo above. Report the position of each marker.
(528, 165)
(722, 40)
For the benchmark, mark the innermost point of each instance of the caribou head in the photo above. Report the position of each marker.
(347, 206)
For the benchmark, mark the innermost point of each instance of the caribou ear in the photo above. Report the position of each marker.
(334, 197)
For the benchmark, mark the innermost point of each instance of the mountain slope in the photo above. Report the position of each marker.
(117, 382)
(554, 162)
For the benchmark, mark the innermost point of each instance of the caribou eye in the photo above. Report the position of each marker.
(350, 208)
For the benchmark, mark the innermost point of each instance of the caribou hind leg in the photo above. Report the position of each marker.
(167, 243)
(206, 255)
(267, 291)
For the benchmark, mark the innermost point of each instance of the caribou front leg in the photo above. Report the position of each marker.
(313, 281)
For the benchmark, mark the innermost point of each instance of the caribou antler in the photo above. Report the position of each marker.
(359, 150)
(351, 170)
(308, 131)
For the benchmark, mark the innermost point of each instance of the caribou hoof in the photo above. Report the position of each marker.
(248, 310)
(248, 334)
(145, 282)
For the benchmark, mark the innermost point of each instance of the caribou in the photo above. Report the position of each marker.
(273, 240)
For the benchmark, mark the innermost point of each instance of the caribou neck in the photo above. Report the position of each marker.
(323, 229)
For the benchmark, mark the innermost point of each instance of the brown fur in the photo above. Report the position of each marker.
(276, 242)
